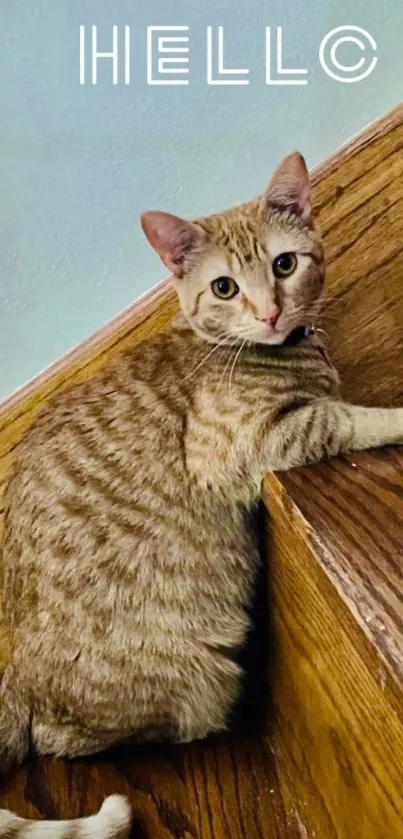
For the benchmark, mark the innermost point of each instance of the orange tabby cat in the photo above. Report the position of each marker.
(129, 556)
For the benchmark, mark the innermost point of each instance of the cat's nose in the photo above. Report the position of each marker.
(272, 316)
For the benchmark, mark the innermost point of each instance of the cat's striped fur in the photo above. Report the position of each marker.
(129, 557)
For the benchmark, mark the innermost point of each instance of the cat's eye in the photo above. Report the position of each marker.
(225, 288)
(284, 264)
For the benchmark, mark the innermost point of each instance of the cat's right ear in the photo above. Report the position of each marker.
(289, 188)
(175, 240)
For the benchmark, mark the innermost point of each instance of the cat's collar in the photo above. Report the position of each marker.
(297, 335)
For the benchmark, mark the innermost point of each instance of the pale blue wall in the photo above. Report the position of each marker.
(79, 163)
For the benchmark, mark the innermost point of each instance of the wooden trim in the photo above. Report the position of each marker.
(374, 131)
(153, 306)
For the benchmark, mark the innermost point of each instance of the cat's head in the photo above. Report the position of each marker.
(254, 272)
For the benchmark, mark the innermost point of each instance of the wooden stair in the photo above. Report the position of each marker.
(328, 763)
(335, 543)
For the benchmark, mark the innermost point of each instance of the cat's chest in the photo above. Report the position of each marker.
(260, 387)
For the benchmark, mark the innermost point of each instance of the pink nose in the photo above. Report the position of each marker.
(272, 317)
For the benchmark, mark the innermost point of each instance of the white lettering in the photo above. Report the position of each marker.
(221, 71)
(167, 45)
(281, 71)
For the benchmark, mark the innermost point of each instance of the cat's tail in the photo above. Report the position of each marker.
(14, 722)
(112, 822)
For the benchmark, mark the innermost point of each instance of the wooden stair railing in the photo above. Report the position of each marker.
(331, 764)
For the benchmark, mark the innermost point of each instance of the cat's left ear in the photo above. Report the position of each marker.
(289, 188)
(176, 241)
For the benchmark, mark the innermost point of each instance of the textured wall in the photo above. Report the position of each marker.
(79, 163)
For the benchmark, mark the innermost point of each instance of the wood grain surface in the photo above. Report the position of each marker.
(359, 208)
(226, 788)
(354, 507)
(337, 702)
(329, 769)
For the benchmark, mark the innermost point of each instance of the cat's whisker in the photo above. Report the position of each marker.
(331, 303)
(331, 316)
(235, 361)
(247, 335)
(206, 357)
(313, 314)
(227, 363)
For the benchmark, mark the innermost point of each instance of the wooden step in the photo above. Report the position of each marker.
(335, 548)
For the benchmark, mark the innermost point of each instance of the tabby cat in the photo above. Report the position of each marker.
(129, 555)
